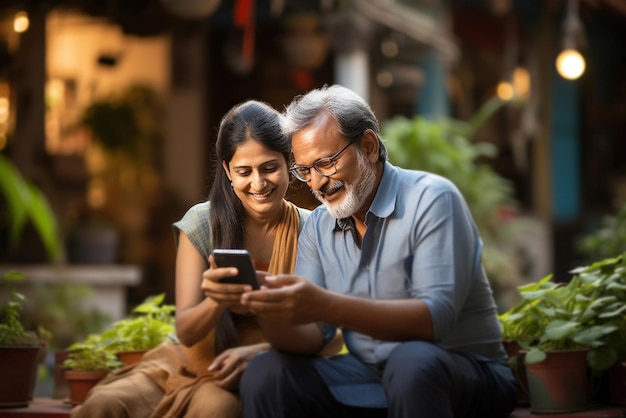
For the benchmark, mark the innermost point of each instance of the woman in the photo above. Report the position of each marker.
(246, 209)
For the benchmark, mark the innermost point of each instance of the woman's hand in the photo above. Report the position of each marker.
(228, 367)
(227, 295)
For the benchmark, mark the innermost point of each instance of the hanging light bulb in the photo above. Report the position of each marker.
(20, 22)
(570, 63)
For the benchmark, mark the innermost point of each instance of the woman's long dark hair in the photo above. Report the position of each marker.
(249, 120)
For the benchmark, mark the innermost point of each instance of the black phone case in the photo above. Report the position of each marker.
(240, 259)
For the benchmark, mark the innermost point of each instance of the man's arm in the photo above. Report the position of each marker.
(386, 320)
(300, 339)
(290, 308)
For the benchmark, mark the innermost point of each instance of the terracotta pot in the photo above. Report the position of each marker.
(617, 383)
(130, 357)
(560, 383)
(61, 390)
(41, 357)
(80, 383)
(516, 361)
(19, 368)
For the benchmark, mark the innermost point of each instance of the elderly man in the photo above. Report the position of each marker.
(393, 258)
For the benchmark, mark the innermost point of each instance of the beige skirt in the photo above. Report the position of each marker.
(170, 381)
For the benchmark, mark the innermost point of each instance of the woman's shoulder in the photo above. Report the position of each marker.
(304, 215)
(195, 225)
(303, 212)
(199, 208)
(198, 211)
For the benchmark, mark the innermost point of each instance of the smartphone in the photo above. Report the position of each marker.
(240, 259)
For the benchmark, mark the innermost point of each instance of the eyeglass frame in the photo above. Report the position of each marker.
(333, 159)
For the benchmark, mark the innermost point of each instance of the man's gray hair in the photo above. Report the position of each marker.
(351, 112)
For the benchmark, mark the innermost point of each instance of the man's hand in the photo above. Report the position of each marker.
(287, 300)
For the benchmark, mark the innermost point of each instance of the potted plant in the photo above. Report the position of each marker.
(608, 239)
(149, 325)
(583, 320)
(605, 282)
(519, 324)
(87, 363)
(21, 351)
(555, 360)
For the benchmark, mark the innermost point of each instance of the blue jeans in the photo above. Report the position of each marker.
(420, 380)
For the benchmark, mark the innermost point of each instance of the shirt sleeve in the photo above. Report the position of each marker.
(308, 265)
(446, 257)
(195, 224)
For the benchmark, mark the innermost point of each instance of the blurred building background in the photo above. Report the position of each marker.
(112, 107)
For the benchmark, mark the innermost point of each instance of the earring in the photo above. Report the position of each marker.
(231, 185)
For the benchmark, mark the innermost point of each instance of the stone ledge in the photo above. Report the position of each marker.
(608, 411)
(94, 274)
(40, 408)
(108, 282)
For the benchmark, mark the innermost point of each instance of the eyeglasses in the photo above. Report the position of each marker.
(325, 166)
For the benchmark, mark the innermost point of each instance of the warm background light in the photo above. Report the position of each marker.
(389, 48)
(4, 114)
(20, 22)
(505, 90)
(521, 82)
(570, 64)
(384, 79)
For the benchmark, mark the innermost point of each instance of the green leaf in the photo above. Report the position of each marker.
(559, 329)
(13, 276)
(27, 203)
(534, 355)
(617, 286)
(602, 359)
(590, 336)
(150, 303)
(44, 221)
(618, 312)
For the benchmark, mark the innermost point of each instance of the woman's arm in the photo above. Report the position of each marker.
(195, 315)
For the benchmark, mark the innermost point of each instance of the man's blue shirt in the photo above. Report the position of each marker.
(421, 242)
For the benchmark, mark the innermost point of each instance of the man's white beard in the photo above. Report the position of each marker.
(356, 194)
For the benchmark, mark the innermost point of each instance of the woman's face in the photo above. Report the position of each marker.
(260, 178)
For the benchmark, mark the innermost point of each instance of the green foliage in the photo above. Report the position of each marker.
(127, 123)
(148, 326)
(112, 136)
(92, 354)
(25, 202)
(444, 147)
(60, 308)
(12, 331)
(588, 312)
(525, 320)
(608, 240)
